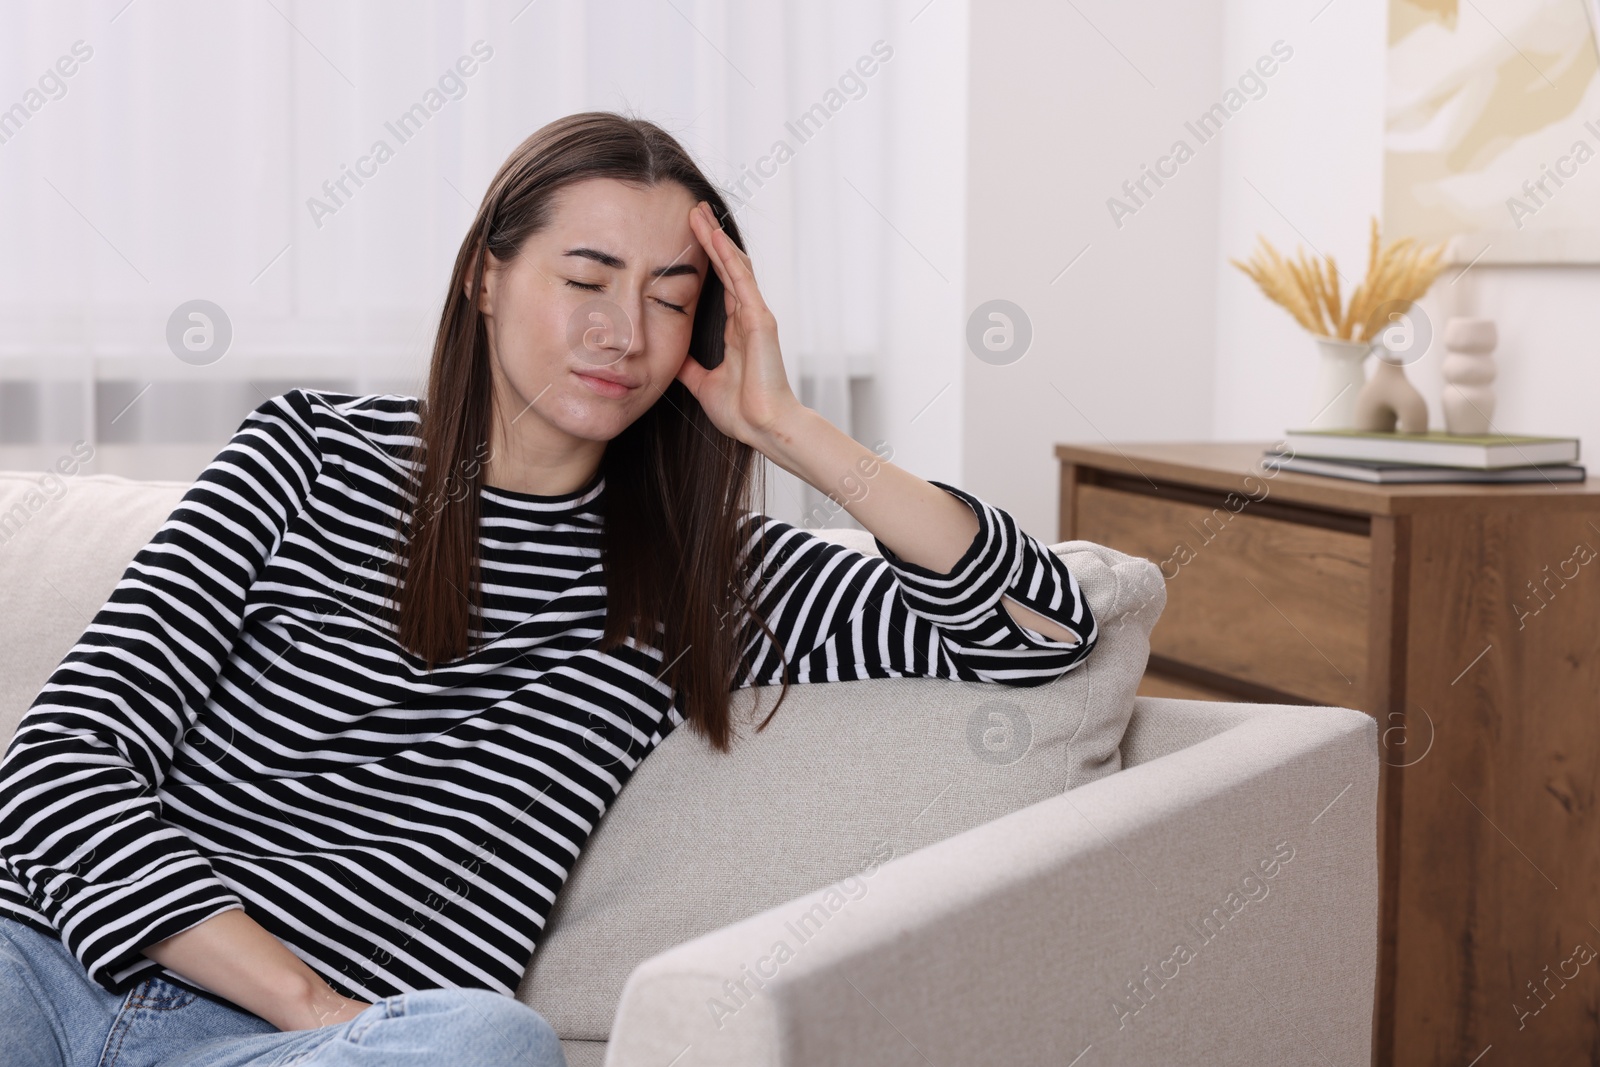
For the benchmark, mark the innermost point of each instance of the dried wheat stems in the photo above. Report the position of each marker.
(1397, 274)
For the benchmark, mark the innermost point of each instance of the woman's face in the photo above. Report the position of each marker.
(590, 321)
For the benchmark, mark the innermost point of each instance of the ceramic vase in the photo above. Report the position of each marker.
(1339, 382)
(1468, 371)
(1389, 402)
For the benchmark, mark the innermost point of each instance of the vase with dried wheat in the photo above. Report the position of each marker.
(1346, 333)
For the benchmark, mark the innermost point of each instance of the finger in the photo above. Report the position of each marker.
(744, 257)
(730, 299)
(691, 374)
(731, 248)
(733, 267)
(704, 227)
(733, 258)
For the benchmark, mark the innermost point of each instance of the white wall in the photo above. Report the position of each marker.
(916, 405)
(1067, 102)
(1549, 354)
(1317, 155)
(1152, 335)
(914, 226)
(1307, 172)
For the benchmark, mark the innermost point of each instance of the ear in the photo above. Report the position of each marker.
(486, 284)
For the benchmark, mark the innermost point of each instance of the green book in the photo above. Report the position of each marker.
(1435, 448)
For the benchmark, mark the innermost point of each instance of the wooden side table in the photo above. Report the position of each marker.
(1466, 619)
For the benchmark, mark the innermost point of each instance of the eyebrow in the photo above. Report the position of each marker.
(615, 263)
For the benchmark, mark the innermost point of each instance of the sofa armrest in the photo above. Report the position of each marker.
(1160, 726)
(1218, 904)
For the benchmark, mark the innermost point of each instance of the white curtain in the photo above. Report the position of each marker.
(204, 151)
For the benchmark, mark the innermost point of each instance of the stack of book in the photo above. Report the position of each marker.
(1408, 458)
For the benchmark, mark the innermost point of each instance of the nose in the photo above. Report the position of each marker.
(630, 338)
(605, 331)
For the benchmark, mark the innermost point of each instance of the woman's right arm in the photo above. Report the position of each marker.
(82, 827)
(235, 957)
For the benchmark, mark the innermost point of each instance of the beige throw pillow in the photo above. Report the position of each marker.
(847, 775)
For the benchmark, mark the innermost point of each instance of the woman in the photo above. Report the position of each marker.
(311, 780)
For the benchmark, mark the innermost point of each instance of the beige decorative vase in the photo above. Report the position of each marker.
(1389, 402)
(1339, 380)
(1469, 372)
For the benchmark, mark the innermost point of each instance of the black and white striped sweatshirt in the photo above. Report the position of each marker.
(238, 727)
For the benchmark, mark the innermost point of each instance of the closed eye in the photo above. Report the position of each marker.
(595, 287)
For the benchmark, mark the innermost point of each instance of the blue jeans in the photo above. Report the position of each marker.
(52, 1014)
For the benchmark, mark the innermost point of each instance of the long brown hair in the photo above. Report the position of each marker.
(675, 486)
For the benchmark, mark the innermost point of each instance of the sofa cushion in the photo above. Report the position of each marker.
(845, 776)
(65, 542)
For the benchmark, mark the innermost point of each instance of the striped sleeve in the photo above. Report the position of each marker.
(840, 615)
(81, 821)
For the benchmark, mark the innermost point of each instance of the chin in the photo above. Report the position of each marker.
(588, 422)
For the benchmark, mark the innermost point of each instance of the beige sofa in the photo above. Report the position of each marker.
(910, 871)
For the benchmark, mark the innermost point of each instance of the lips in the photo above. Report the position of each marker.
(606, 384)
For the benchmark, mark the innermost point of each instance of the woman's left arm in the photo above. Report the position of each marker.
(922, 524)
(959, 548)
